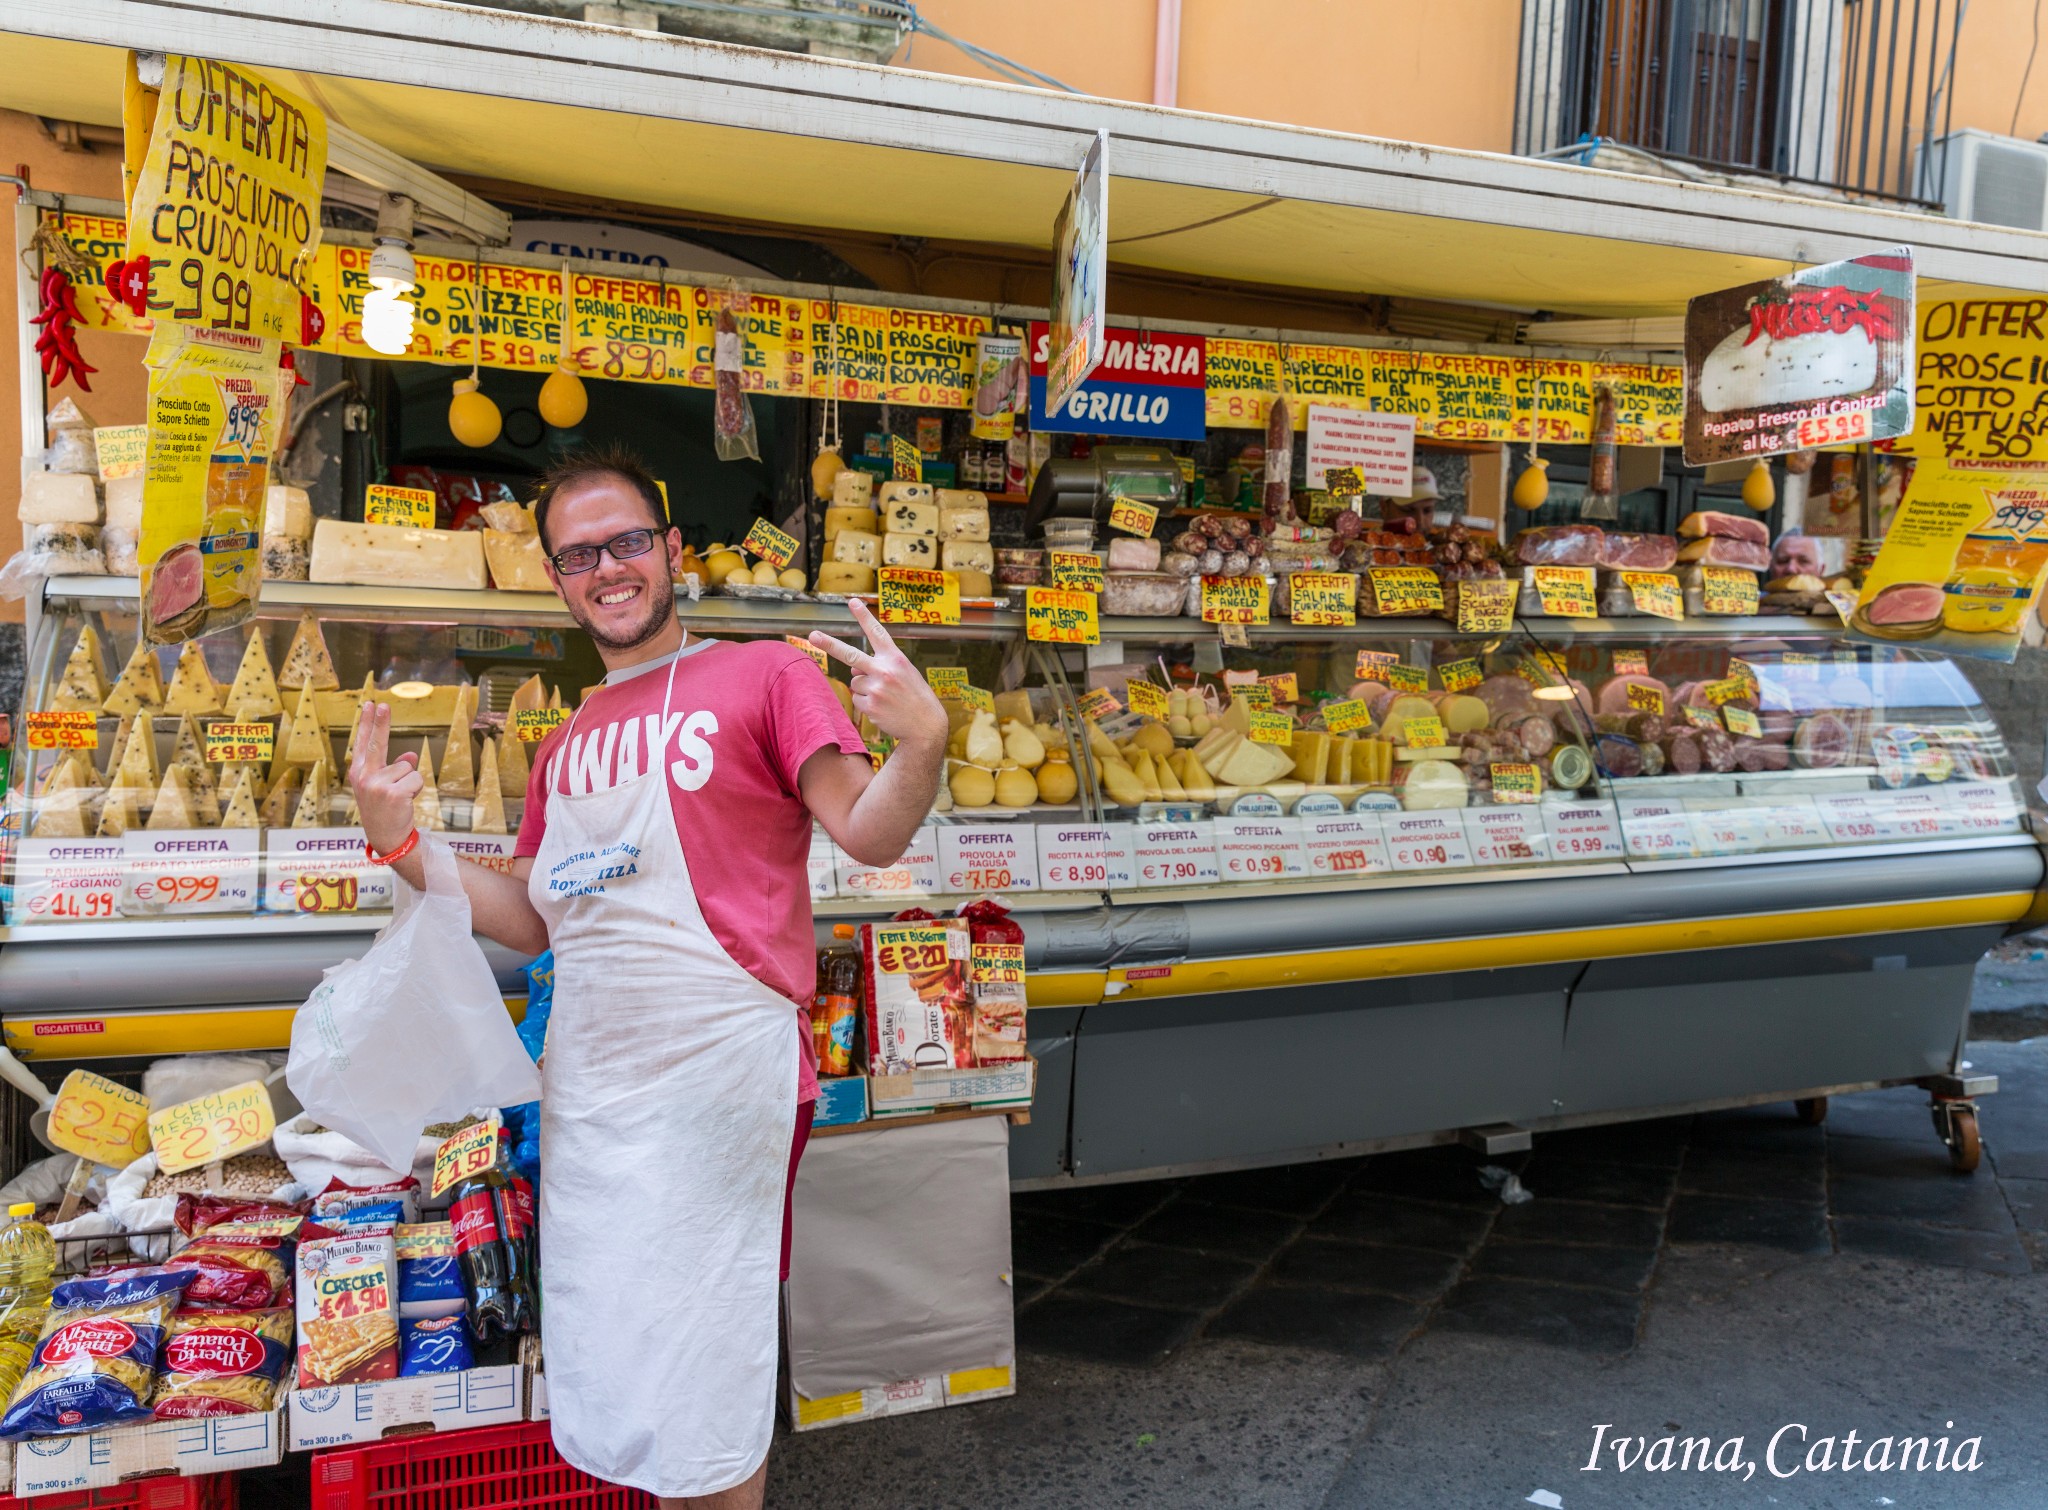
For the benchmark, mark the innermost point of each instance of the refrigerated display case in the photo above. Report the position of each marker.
(1331, 890)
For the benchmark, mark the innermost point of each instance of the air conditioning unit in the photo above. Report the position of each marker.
(1995, 180)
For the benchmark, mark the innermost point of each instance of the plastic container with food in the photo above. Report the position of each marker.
(1144, 594)
(1069, 534)
(1019, 567)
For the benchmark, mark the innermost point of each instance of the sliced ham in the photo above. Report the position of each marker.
(1905, 603)
(1727, 527)
(1722, 550)
(1560, 545)
(1638, 552)
(1504, 695)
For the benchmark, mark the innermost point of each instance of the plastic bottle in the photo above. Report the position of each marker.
(519, 1215)
(838, 1003)
(28, 1263)
(475, 1214)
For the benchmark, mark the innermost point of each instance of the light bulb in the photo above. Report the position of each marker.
(563, 398)
(387, 318)
(472, 417)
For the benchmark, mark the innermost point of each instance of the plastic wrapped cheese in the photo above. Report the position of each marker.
(394, 555)
(857, 547)
(963, 524)
(909, 517)
(287, 511)
(910, 550)
(124, 504)
(845, 576)
(970, 555)
(59, 498)
(1432, 784)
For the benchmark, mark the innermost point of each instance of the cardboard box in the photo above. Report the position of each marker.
(906, 1397)
(841, 1099)
(999, 1085)
(100, 1459)
(537, 1398)
(346, 1414)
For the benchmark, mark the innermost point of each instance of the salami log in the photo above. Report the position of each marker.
(1717, 750)
(1618, 755)
(1681, 753)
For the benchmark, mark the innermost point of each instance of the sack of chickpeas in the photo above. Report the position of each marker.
(142, 1199)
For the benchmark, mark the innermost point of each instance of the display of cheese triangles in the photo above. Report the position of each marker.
(174, 807)
(190, 752)
(426, 807)
(254, 694)
(308, 741)
(62, 815)
(458, 768)
(138, 758)
(122, 812)
(140, 685)
(193, 689)
(71, 771)
(351, 815)
(278, 807)
(83, 686)
(556, 700)
(307, 663)
(512, 768)
(258, 786)
(529, 696)
(240, 811)
(487, 813)
(312, 808)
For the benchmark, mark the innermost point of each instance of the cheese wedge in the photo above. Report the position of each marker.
(62, 815)
(307, 662)
(426, 807)
(192, 686)
(529, 696)
(1311, 756)
(515, 562)
(240, 811)
(458, 764)
(512, 764)
(339, 710)
(963, 524)
(189, 751)
(259, 788)
(857, 547)
(902, 549)
(140, 685)
(254, 694)
(396, 555)
(83, 686)
(173, 806)
(974, 584)
(122, 812)
(845, 577)
(311, 811)
(308, 741)
(555, 698)
(138, 757)
(839, 520)
(913, 494)
(853, 489)
(277, 808)
(968, 555)
(487, 813)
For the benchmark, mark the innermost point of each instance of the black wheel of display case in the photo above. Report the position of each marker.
(1811, 1110)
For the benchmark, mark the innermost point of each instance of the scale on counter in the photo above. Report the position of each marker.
(1085, 487)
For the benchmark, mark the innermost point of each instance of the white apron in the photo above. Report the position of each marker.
(666, 1122)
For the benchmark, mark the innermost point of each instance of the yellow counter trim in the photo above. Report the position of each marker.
(171, 1030)
(1064, 988)
(1446, 956)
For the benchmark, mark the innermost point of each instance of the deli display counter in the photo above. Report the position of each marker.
(1325, 891)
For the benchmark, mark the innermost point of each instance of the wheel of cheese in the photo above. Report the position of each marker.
(1408, 705)
(1461, 713)
(1433, 784)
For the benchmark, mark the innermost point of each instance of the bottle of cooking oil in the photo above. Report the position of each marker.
(28, 1262)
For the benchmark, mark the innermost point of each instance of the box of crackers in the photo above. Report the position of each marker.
(347, 1310)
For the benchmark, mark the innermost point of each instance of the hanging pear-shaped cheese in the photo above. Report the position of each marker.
(312, 808)
(173, 806)
(307, 663)
(308, 742)
(193, 689)
(83, 686)
(458, 767)
(240, 811)
(254, 694)
(140, 685)
(277, 808)
(122, 812)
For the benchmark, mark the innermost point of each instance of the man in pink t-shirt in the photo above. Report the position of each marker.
(663, 856)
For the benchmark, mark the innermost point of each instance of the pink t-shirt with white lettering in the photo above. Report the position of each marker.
(744, 717)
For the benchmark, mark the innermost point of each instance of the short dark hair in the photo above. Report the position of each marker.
(586, 464)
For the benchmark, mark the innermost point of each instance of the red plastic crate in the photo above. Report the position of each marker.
(487, 1468)
(202, 1491)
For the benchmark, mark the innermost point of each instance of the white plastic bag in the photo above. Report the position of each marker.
(413, 1032)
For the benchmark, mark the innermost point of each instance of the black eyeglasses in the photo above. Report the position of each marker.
(571, 560)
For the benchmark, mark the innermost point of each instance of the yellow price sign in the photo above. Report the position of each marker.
(1424, 733)
(213, 1127)
(772, 545)
(1631, 663)
(1728, 590)
(912, 595)
(905, 460)
(912, 950)
(1645, 699)
(1061, 616)
(947, 681)
(1099, 703)
(121, 450)
(1798, 667)
(1272, 729)
(1080, 571)
(1344, 480)
(1234, 600)
(467, 1154)
(316, 892)
(1515, 781)
(1131, 516)
(1701, 718)
(1344, 716)
(1727, 690)
(1567, 592)
(977, 699)
(64, 731)
(1372, 662)
(996, 964)
(1458, 675)
(253, 741)
(1655, 593)
(1284, 687)
(1402, 677)
(801, 643)
(1406, 591)
(1146, 698)
(1256, 695)
(532, 725)
(1326, 598)
(1486, 607)
(411, 507)
(99, 1120)
(1742, 721)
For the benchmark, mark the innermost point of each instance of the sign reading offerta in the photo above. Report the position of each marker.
(1380, 446)
(1820, 357)
(1149, 383)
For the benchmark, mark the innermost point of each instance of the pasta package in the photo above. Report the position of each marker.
(222, 1363)
(95, 1363)
(237, 1269)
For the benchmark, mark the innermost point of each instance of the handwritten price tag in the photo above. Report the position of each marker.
(469, 1153)
(1458, 675)
(770, 544)
(947, 681)
(1515, 781)
(1345, 480)
(1080, 571)
(1099, 703)
(1402, 677)
(1324, 598)
(325, 893)
(1486, 607)
(1372, 662)
(913, 596)
(1845, 429)
(1645, 699)
(64, 731)
(1406, 591)
(411, 507)
(1283, 686)
(1131, 516)
(1272, 729)
(213, 1127)
(1424, 733)
(532, 725)
(905, 460)
(1146, 699)
(99, 1120)
(976, 700)
(996, 965)
(1631, 663)
(1701, 718)
(912, 950)
(1234, 600)
(1343, 717)
(1728, 590)
(1742, 721)
(1567, 592)
(824, 661)
(225, 742)
(1727, 690)
(1061, 616)
(1253, 695)
(1655, 593)
(121, 450)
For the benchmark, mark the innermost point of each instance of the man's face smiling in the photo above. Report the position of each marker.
(619, 604)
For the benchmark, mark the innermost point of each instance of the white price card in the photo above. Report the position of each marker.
(491, 851)
(991, 857)
(824, 864)
(1428, 841)
(917, 873)
(1853, 818)
(1792, 823)
(1915, 815)
(66, 881)
(291, 855)
(1656, 828)
(1506, 835)
(1582, 831)
(1982, 807)
(1085, 856)
(1344, 844)
(1259, 849)
(1721, 829)
(170, 871)
(1176, 854)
